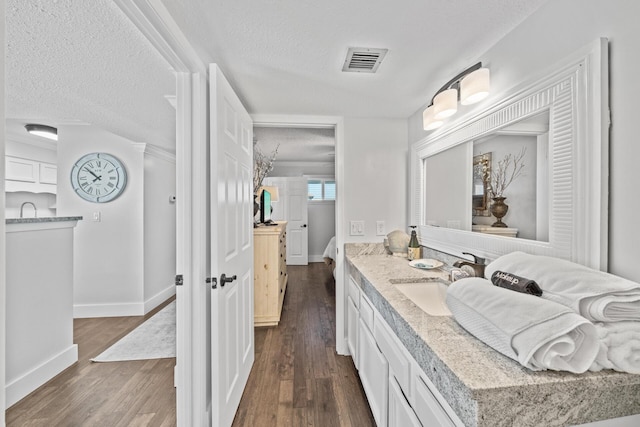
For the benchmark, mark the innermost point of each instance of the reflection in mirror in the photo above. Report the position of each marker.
(519, 174)
(480, 188)
(448, 179)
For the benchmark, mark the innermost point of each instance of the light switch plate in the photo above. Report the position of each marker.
(97, 217)
(356, 228)
(380, 228)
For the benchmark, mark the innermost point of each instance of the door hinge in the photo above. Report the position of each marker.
(213, 281)
(179, 280)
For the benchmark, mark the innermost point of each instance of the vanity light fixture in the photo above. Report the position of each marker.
(474, 85)
(44, 131)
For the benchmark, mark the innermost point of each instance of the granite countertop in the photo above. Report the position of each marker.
(43, 219)
(484, 387)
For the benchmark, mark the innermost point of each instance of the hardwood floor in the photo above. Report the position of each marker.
(136, 393)
(297, 378)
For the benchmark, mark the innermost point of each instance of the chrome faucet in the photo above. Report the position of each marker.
(35, 210)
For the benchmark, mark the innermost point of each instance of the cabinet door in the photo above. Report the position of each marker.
(400, 412)
(374, 374)
(21, 170)
(48, 173)
(427, 407)
(352, 330)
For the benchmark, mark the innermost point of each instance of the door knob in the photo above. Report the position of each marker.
(224, 279)
(304, 226)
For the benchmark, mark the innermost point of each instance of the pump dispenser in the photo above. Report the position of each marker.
(413, 251)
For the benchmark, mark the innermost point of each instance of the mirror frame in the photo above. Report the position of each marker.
(576, 95)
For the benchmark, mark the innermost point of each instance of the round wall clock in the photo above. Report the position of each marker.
(98, 177)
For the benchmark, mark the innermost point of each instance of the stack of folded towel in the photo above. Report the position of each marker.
(600, 330)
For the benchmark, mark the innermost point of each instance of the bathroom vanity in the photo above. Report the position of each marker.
(420, 369)
(39, 299)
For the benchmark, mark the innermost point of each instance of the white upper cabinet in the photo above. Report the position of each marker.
(30, 175)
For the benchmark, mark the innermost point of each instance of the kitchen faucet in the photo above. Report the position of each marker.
(35, 210)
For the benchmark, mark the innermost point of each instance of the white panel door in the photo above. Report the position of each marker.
(297, 226)
(232, 341)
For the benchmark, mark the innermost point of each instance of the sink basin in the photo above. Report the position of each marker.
(429, 296)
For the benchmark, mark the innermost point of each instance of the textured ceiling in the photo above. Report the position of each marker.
(73, 60)
(296, 144)
(286, 56)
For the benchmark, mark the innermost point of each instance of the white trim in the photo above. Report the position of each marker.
(316, 258)
(159, 298)
(25, 384)
(337, 122)
(84, 311)
(575, 94)
(155, 22)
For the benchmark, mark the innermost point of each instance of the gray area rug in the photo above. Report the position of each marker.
(154, 339)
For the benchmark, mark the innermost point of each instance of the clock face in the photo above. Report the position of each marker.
(98, 177)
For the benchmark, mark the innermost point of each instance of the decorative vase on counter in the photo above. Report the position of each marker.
(256, 205)
(499, 209)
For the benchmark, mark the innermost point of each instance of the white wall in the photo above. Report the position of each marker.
(322, 227)
(2, 232)
(23, 150)
(159, 227)
(555, 31)
(375, 178)
(109, 255)
(302, 168)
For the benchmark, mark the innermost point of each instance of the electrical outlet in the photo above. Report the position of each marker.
(380, 229)
(356, 228)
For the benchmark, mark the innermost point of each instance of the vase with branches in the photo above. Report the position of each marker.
(262, 165)
(508, 170)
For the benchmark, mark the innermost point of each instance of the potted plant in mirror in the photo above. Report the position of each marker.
(262, 165)
(508, 169)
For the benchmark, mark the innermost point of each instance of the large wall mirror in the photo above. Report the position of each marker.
(547, 140)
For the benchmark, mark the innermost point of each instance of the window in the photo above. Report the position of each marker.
(321, 189)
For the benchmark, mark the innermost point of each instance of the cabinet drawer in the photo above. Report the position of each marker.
(399, 361)
(354, 292)
(400, 412)
(427, 407)
(366, 312)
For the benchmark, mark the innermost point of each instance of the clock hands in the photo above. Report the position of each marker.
(97, 178)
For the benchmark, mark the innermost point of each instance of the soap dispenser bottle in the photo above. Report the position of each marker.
(413, 251)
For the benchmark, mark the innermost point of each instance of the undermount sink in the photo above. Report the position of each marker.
(429, 296)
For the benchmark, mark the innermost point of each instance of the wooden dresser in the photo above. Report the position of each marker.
(270, 272)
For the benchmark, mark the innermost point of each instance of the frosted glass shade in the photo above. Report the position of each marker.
(429, 122)
(475, 86)
(445, 104)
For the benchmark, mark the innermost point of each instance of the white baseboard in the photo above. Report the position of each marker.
(316, 258)
(159, 298)
(39, 375)
(81, 311)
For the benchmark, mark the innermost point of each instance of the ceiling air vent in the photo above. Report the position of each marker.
(363, 60)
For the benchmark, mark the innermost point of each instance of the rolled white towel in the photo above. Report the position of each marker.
(596, 295)
(619, 347)
(538, 333)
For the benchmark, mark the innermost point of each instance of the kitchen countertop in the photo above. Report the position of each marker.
(484, 387)
(43, 219)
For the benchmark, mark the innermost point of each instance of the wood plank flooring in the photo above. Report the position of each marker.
(297, 378)
(135, 393)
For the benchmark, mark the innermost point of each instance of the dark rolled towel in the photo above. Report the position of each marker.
(515, 283)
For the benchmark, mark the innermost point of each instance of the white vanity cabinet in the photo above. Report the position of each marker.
(398, 390)
(372, 364)
(353, 316)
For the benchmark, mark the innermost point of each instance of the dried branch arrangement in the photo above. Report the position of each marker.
(509, 168)
(262, 165)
